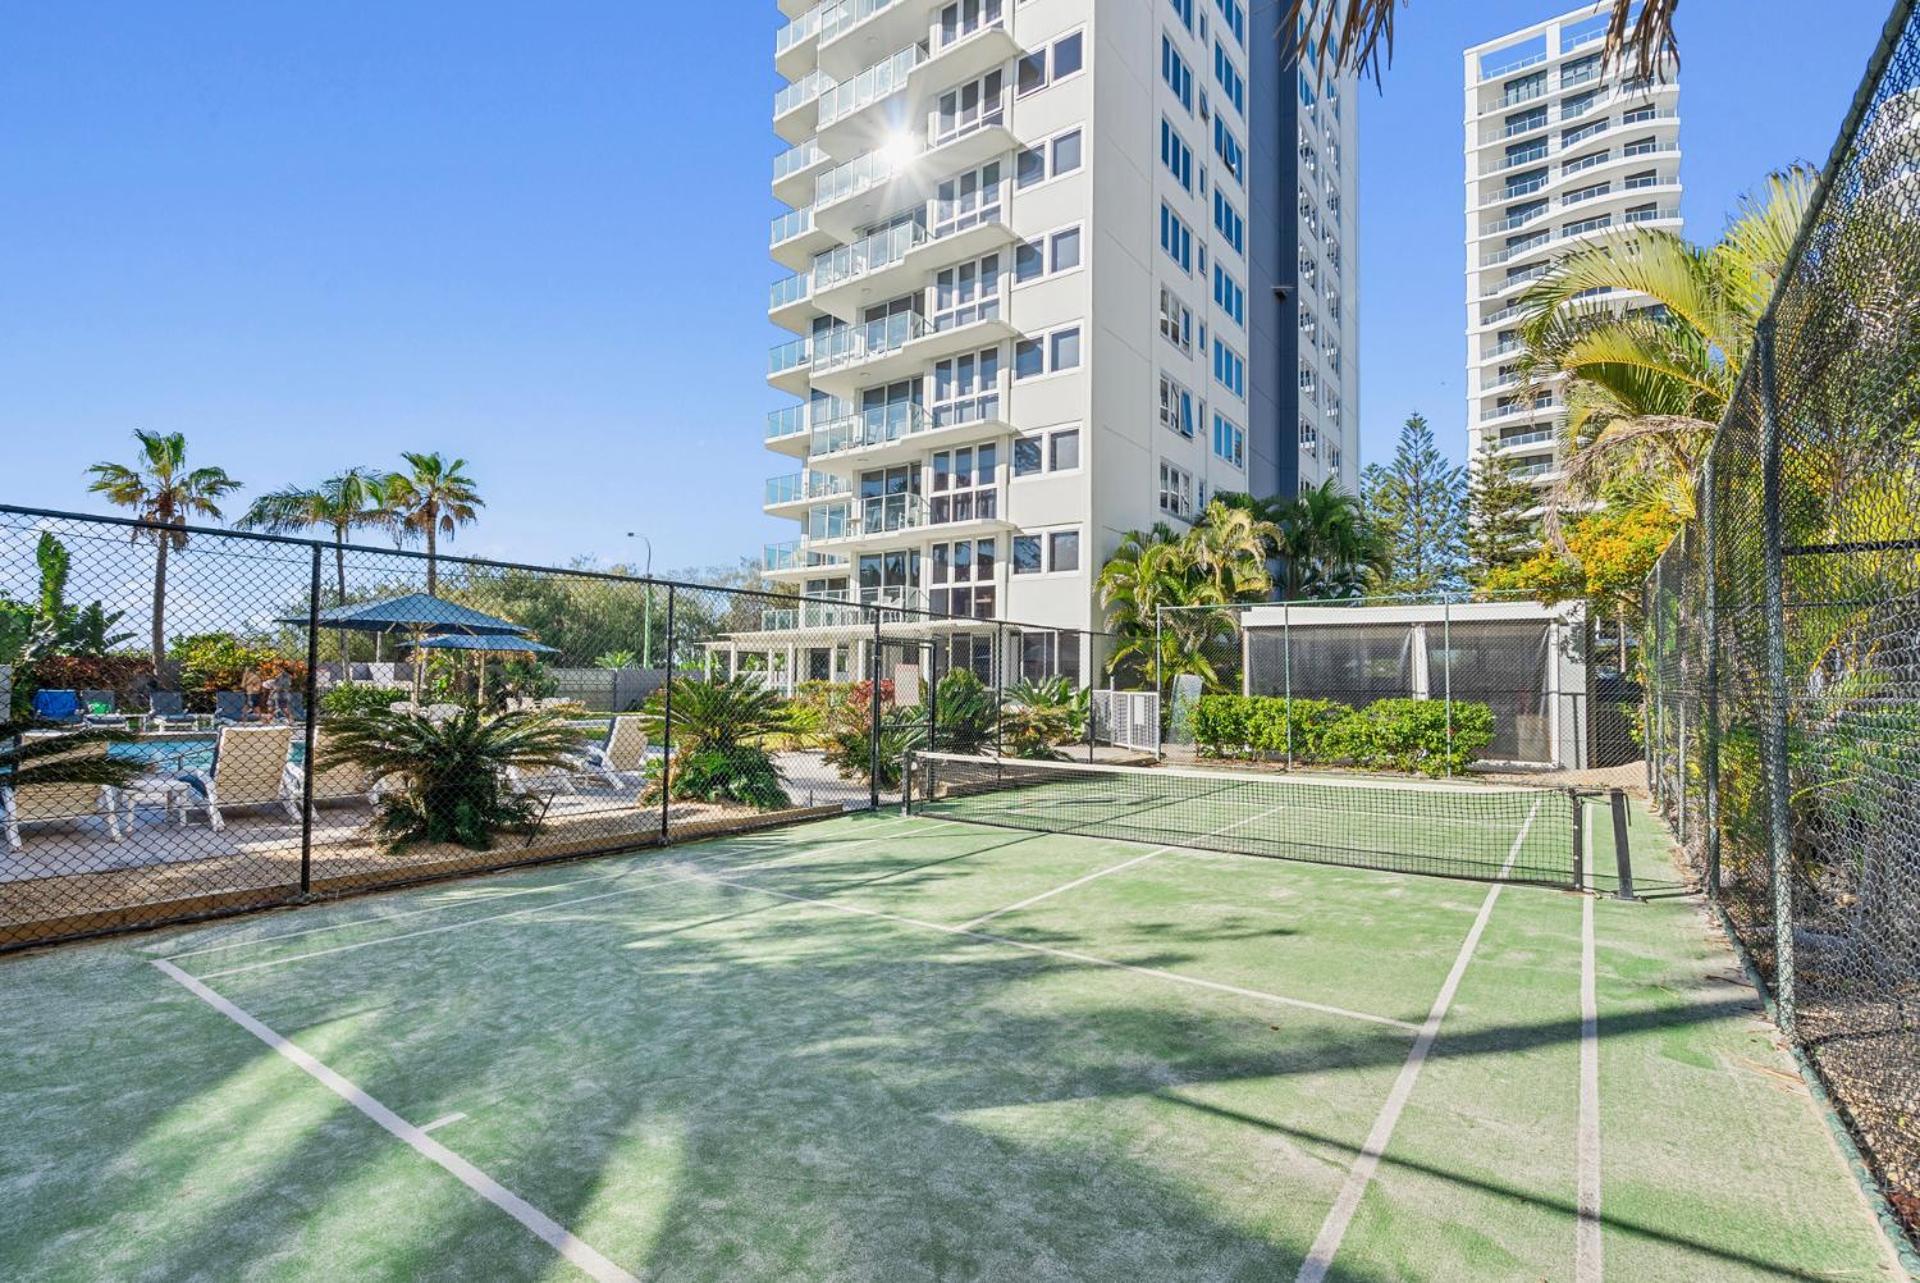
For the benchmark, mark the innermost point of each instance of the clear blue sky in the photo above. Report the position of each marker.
(314, 235)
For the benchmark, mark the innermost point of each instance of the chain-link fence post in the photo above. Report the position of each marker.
(666, 725)
(312, 697)
(1286, 671)
(1774, 720)
(1710, 739)
(873, 731)
(999, 685)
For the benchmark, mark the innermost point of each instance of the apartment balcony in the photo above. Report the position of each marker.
(795, 171)
(1514, 281)
(1508, 68)
(794, 560)
(862, 192)
(1525, 437)
(795, 45)
(861, 113)
(1510, 223)
(854, 356)
(788, 365)
(904, 433)
(789, 495)
(1547, 405)
(1501, 349)
(787, 431)
(858, 33)
(790, 302)
(1652, 215)
(796, 237)
(874, 517)
(969, 137)
(820, 610)
(1515, 251)
(887, 264)
(796, 108)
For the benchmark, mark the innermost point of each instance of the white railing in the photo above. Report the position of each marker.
(878, 82)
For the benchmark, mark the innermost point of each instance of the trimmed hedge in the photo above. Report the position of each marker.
(1390, 734)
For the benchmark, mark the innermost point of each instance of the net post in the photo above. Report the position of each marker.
(1622, 857)
(1774, 725)
(313, 713)
(1579, 801)
(1446, 678)
(1710, 737)
(873, 730)
(666, 726)
(906, 783)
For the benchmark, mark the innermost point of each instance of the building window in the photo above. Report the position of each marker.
(1063, 550)
(1176, 491)
(1227, 147)
(1057, 252)
(1035, 165)
(1176, 407)
(1230, 441)
(1235, 19)
(1029, 555)
(1176, 155)
(1229, 369)
(1232, 86)
(1043, 452)
(1176, 321)
(1227, 219)
(1183, 9)
(1228, 293)
(1174, 70)
(966, 17)
(966, 108)
(966, 388)
(960, 578)
(1051, 353)
(1050, 66)
(1175, 238)
(965, 485)
(1309, 436)
(966, 293)
(968, 200)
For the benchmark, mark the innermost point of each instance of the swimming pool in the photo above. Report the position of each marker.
(175, 754)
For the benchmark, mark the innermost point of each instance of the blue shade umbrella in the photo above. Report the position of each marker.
(413, 613)
(465, 641)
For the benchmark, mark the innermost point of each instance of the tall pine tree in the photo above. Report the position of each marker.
(1500, 533)
(1419, 504)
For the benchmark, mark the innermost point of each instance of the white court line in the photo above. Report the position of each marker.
(1334, 1229)
(1587, 1260)
(549, 1231)
(642, 880)
(481, 900)
(445, 1120)
(1138, 859)
(1174, 976)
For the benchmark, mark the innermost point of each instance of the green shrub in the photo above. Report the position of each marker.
(217, 661)
(742, 775)
(348, 700)
(1390, 734)
(965, 713)
(1038, 715)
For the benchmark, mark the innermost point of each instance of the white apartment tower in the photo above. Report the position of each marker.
(1057, 270)
(1558, 153)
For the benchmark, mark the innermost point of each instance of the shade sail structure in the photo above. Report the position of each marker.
(413, 613)
(490, 643)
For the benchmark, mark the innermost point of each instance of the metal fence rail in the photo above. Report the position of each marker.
(330, 719)
(1784, 710)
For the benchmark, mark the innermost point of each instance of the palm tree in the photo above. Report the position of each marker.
(1329, 547)
(435, 498)
(1639, 30)
(1230, 545)
(1149, 571)
(1646, 389)
(354, 499)
(163, 494)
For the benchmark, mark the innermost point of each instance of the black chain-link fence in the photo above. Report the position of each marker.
(1784, 717)
(206, 721)
(1449, 683)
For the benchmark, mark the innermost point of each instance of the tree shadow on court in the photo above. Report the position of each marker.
(704, 1083)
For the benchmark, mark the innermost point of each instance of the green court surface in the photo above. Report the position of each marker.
(912, 1049)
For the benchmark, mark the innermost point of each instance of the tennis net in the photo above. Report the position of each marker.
(1447, 829)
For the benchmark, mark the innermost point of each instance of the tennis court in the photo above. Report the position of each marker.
(893, 1047)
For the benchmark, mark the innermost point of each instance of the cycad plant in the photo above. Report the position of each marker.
(964, 713)
(63, 758)
(719, 732)
(1038, 716)
(452, 772)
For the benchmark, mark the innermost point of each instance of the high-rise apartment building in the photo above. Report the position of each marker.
(1058, 269)
(1560, 151)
